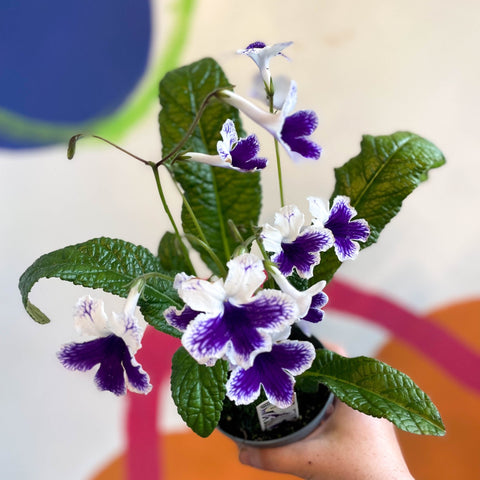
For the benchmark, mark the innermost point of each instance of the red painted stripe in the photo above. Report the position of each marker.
(433, 341)
(144, 443)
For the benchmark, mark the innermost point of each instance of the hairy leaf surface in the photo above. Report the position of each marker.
(111, 265)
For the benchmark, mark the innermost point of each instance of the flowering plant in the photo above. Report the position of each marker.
(235, 325)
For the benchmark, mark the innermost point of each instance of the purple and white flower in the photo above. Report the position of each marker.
(233, 320)
(261, 54)
(309, 302)
(118, 339)
(274, 370)
(292, 131)
(338, 219)
(292, 245)
(238, 154)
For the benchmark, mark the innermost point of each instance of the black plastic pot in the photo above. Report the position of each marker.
(241, 423)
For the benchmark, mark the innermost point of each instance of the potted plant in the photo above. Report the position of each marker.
(247, 358)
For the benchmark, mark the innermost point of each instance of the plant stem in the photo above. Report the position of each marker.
(170, 216)
(188, 207)
(209, 250)
(279, 173)
(148, 276)
(192, 127)
(203, 239)
(270, 93)
(73, 141)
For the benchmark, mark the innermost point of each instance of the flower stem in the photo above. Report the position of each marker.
(279, 173)
(203, 239)
(149, 275)
(188, 207)
(192, 127)
(73, 142)
(270, 93)
(209, 250)
(170, 216)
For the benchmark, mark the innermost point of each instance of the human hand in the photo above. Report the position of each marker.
(349, 445)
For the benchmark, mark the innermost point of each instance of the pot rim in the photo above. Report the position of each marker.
(290, 438)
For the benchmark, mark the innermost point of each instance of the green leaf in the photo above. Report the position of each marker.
(108, 264)
(171, 255)
(377, 181)
(198, 391)
(376, 389)
(214, 194)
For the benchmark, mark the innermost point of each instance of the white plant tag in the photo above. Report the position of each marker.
(270, 415)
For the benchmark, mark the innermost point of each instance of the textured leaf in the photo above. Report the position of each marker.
(376, 389)
(198, 391)
(171, 255)
(377, 181)
(108, 264)
(214, 194)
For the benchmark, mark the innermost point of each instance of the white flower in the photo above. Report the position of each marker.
(261, 55)
(118, 339)
(237, 154)
(292, 131)
(292, 245)
(230, 318)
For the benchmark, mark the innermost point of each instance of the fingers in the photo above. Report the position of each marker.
(279, 459)
(296, 458)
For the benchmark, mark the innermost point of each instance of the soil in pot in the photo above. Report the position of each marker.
(242, 421)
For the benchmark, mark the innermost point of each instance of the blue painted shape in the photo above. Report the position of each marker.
(70, 61)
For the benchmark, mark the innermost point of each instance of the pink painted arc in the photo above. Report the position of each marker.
(436, 343)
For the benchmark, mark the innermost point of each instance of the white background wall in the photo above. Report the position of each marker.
(372, 67)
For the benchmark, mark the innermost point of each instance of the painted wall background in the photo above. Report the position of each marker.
(365, 67)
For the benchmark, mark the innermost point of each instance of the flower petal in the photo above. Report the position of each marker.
(223, 161)
(106, 351)
(293, 356)
(252, 325)
(289, 220)
(138, 380)
(229, 135)
(84, 356)
(274, 371)
(246, 274)
(200, 295)
(345, 230)
(111, 375)
(90, 318)
(296, 128)
(261, 55)
(290, 99)
(206, 337)
(319, 210)
(304, 252)
(244, 155)
(246, 340)
(302, 298)
(127, 327)
(271, 311)
(272, 122)
(132, 298)
(315, 313)
(272, 238)
(180, 319)
(243, 386)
